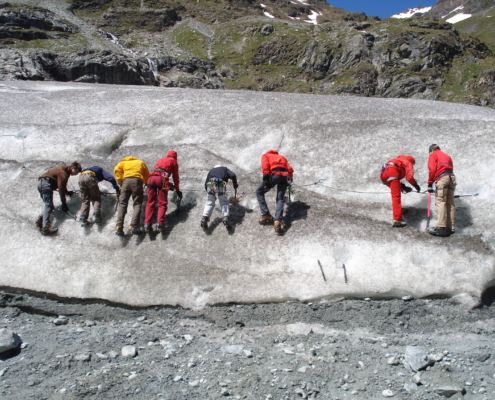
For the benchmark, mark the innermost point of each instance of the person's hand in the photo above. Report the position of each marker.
(117, 190)
(405, 189)
(65, 208)
(430, 188)
(236, 185)
(179, 194)
(417, 187)
(266, 177)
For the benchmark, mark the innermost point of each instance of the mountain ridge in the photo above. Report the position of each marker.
(236, 45)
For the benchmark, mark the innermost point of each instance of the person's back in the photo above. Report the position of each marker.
(216, 185)
(158, 186)
(132, 174)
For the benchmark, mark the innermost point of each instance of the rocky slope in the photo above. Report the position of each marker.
(260, 351)
(308, 47)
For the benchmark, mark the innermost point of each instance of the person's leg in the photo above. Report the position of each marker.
(441, 200)
(281, 182)
(450, 204)
(85, 196)
(125, 195)
(263, 188)
(162, 206)
(395, 192)
(138, 198)
(150, 205)
(210, 205)
(46, 193)
(95, 196)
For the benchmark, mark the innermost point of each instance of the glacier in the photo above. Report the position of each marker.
(339, 242)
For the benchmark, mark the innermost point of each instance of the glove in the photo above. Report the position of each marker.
(405, 189)
(70, 193)
(430, 188)
(65, 208)
(417, 187)
(117, 190)
(236, 185)
(170, 186)
(179, 194)
(266, 177)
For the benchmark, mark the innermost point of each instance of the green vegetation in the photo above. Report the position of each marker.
(481, 27)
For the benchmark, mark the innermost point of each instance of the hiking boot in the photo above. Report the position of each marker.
(148, 228)
(48, 230)
(204, 222)
(135, 230)
(119, 231)
(278, 226)
(439, 231)
(84, 222)
(96, 219)
(266, 219)
(226, 222)
(161, 227)
(398, 223)
(452, 231)
(39, 222)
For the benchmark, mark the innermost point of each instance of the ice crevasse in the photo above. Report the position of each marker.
(338, 241)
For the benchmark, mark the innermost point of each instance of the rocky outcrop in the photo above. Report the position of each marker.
(31, 23)
(106, 67)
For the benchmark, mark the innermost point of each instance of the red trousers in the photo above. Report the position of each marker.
(395, 190)
(155, 192)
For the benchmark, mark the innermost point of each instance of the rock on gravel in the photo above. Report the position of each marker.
(9, 340)
(129, 351)
(449, 391)
(417, 359)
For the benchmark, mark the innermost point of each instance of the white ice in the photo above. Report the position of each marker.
(268, 14)
(345, 220)
(410, 12)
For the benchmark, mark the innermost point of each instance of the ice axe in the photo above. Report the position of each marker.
(465, 195)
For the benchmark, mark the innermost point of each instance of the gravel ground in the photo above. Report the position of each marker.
(352, 349)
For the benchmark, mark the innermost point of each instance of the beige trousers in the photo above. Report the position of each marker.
(445, 201)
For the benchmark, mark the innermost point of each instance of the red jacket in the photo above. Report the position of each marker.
(170, 165)
(273, 163)
(439, 163)
(404, 166)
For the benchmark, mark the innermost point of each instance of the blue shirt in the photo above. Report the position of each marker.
(102, 175)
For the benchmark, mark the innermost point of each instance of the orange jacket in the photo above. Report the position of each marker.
(439, 163)
(404, 166)
(273, 163)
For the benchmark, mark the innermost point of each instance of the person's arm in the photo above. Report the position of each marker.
(145, 172)
(175, 175)
(432, 168)
(233, 177)
(109, 178)
(119, 172)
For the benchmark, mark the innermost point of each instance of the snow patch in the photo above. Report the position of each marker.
(458, 18)
(268, 14)
(313, 17)
(410, 12)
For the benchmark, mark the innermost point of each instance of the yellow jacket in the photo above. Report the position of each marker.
(131, 167)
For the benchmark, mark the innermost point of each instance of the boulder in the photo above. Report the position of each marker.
(9, 340)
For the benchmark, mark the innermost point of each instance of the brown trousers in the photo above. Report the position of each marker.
(90, 192)
(445, 201)
(130, 187)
